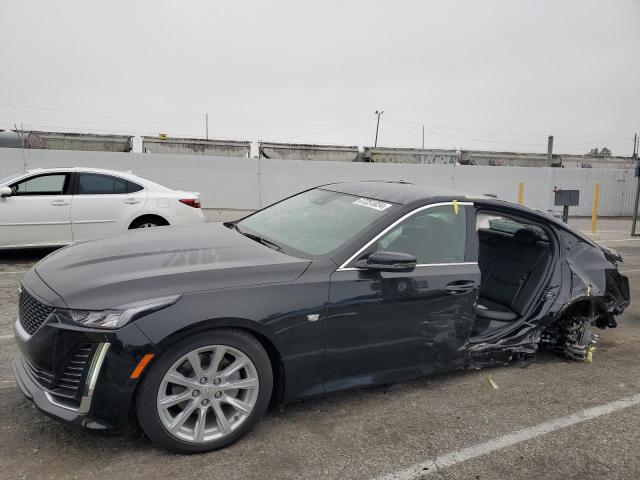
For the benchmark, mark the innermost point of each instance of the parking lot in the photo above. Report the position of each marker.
(453, 426)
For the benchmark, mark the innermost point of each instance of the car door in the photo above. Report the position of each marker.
(104, 204)
(38, 212)
(390, 326)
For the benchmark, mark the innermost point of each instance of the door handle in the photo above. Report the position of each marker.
(59, 203)
(131, 201)
(461, 286)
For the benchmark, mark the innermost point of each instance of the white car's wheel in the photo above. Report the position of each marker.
(147, 222)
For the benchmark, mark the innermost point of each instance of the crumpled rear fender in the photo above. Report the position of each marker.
(594, 277)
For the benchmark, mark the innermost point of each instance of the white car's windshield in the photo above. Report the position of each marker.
(5, 180)
(315, 222)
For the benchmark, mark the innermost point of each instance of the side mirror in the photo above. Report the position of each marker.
(5, 192)
(388, 262)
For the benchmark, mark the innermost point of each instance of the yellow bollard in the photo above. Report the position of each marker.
(594, 207)
(521, 193)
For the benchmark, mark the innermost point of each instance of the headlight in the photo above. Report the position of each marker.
(114, 318)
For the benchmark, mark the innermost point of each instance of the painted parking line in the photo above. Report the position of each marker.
(619, 240)
(431, 467)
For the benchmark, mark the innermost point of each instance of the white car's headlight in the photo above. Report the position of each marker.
(114, 318)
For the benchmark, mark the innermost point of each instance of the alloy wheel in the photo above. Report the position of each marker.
(207, 393)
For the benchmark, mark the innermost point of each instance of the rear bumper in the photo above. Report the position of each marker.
(192, 217)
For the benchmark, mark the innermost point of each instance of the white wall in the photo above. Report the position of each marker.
(249, 183)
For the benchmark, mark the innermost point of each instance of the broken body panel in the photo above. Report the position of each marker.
(584, 281)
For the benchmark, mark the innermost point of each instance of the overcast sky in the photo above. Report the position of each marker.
(496, 75)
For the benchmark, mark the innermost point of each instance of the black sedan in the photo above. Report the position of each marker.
(195, 330)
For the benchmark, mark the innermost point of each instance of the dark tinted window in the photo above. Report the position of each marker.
(96, 184)
(435, 235)
(133, 187)
(42, 185)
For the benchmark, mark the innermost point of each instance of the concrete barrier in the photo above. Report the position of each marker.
(251, 183)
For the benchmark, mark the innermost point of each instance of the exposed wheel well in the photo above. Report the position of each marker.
(571, 334)
(150, 217)
(589, 307)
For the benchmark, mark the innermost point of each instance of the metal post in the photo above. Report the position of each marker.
(206, 121)
(635, 208)
(635, 204)
(521, 193)
(565, 213)
(594, 207)
(375, 144)
(423, 137)
(550, 151)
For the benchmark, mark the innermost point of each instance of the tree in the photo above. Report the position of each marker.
(603, 152)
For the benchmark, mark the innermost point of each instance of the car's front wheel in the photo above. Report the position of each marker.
(205, 392)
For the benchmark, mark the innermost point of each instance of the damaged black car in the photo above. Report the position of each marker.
(193, 331)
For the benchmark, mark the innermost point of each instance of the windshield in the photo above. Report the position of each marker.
(5, 180)
(315, 222)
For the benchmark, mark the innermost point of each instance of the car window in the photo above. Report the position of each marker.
(502, 224)
(97, 184)
(316, 222)
(41, 185)
(435, 235)
(133, 187)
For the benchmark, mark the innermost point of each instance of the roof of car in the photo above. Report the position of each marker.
(404, 193)
(399, 192)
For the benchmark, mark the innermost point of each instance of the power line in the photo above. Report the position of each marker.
(418, 126)
(65, 112)
(340, 127)
(502, 142)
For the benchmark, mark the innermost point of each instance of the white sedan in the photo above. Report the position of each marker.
(58, 206)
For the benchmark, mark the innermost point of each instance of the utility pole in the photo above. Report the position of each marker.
(550, 151)
(206, 124)
(423, 137)
(378, 113)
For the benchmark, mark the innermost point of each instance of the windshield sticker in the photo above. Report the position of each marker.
(375, 204)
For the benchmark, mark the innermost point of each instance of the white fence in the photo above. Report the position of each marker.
(250, 183)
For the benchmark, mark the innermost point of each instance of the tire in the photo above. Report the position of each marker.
(146, 222)
(158, 387)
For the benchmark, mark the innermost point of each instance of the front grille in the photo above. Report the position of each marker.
(70, 378)
(31, 312)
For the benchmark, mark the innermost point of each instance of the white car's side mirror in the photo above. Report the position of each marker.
(5, 192)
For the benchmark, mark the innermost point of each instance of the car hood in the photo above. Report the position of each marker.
(150, 263)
